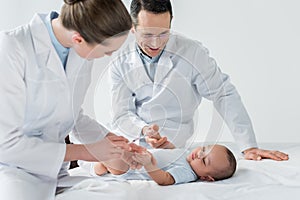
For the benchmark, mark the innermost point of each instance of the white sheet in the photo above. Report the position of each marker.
(259, 180)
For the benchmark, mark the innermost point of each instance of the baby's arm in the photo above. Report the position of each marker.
(160, 176)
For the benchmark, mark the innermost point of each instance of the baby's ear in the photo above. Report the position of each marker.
(207, 178)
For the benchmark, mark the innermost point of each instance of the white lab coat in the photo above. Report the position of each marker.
(184, 75)
(40, 104)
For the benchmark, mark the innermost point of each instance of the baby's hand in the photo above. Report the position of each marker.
(145, 158)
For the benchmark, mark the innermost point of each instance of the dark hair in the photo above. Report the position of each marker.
(228, 171)
(96, 20)
(154, 6)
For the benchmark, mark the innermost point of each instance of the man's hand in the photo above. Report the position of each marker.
(259, 154)
(161, 143)
(154, 139)
(151, 130)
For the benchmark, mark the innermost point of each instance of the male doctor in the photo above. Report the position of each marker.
(158, 83)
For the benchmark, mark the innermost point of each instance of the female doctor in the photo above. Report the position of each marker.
(45, 70)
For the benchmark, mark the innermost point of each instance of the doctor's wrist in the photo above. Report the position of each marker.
(248, 150)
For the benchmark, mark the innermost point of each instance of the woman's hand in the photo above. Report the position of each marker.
(110, 147)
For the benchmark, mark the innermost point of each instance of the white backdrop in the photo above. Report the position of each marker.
(256, 42)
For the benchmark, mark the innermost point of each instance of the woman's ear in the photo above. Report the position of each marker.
(132, 29)
(76, 38)
(207, 178)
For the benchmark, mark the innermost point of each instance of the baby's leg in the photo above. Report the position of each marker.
(116, 167)
(100, 169)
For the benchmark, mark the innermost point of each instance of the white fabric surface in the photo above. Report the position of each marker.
(260, 180)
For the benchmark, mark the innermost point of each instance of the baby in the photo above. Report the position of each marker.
(174, 166)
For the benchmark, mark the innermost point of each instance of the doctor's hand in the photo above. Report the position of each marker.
(109, 148)
(154, 139)
(151, 131)
(136, 148)
(161, 143)
(259, 154)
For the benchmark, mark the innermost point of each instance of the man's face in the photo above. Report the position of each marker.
(152, 32)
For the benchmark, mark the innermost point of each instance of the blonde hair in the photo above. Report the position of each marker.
(96, 20)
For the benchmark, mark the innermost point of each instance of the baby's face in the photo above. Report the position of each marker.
(207, 160)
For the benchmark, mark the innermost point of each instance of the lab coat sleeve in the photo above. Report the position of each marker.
(214, 85)
(87, 130)
(125, 119)
(16, 149)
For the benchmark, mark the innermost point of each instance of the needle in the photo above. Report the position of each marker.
(138, 138)
(148, 133)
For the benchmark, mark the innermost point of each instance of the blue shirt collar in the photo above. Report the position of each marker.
(60, 49)
(146, 58)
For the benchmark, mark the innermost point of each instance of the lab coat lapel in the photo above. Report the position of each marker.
(46, 54)
(139, 71)
(164, 66)
(75, 64)
(165, 63)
